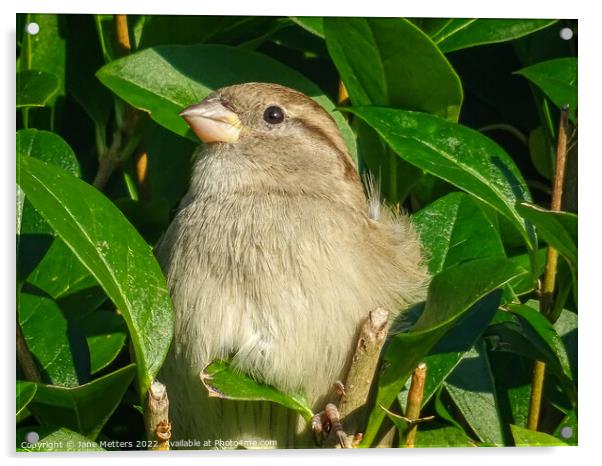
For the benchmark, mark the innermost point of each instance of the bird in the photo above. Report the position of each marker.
(276, 255)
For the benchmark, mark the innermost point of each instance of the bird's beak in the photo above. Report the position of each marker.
(212, 122)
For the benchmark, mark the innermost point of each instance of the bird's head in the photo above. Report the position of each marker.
(280, 130)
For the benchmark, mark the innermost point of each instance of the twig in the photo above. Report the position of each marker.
(363, 367)
(25, 358)
(343, 95)
(121, 145)
(122, 34)
(158, 427)
(415, 396)
(547, 291)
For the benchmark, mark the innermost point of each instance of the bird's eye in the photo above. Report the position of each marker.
(273, 115)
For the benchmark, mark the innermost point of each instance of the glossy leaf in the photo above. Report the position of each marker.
(46, 50)
(165, 79)
(313, 24)
(558, 229)
(47, 146)
(512, 375)
(512, 333)
(462, 33)
(84, 409)
(472, 389)
(35, 88)
(544, 329)
(567, 329)
(457, 154)
(454, 346)
(454, 229)
(541, 152)
(557, 78)
(527, 283)
(105, 333)
(59, 349)
(450, 297)
(373, 55)
(568, 429)
(113, 252)
(530, 438)
(222, 381)
(64, 278)
(440, 436)
(53, 439)
(25, 392)
(35, 236)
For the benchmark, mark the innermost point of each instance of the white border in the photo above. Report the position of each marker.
(589, 173)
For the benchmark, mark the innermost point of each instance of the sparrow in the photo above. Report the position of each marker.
(274, 259)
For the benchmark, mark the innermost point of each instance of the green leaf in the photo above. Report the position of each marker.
(541, 153)
(52, 439)
(568, 429)
(454, 229)
(545, 331)
(59, 349)
(163, 80)
(49, 147)
(512, 375)
(440, 436)
(35, 88)
(313, 24)
(113, 252)
(375, 55)
(472, 390)
(457, 154)
(453, 347)
(526, 283)
(558, 229)
(530, 438)
(567, 329)
(45, 51)
(105, 333)
(25, 392)
(557, 78)
(450, 297)
(84, 409)
(222, 381)
(63, 277)
(461, 33)
(513, 333)
(34, 234)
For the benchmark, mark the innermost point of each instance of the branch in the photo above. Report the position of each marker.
(546, 299)
(363, 368)
(158, 427)
(415, 396)
(125, 138)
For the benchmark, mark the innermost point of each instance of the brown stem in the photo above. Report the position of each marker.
(363, 367)
(343, 95)
(158, 427)
(25, 358)
(109, 160)
(122, 34)
(415, 396)
(142, 180)
(547, 290)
